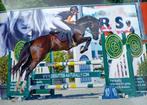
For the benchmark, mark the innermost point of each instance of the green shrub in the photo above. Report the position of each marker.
(3, 69)
(143, 68)
(2, 7)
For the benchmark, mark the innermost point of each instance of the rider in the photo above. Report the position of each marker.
(130, 28)
(66, 17)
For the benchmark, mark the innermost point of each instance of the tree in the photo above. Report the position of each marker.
(143, 68)
(2, 7)
(3, 69)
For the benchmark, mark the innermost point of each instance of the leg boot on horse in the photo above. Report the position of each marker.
(85, 48)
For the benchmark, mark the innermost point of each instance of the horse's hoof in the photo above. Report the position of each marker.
(82, 51)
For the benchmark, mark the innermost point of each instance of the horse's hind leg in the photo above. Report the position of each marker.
(17, 66)
(28, 71)
(23, 68)
(24, 54)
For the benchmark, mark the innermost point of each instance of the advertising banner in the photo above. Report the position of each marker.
(115, 17)
(143, 7)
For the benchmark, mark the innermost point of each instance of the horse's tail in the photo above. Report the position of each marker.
(24, 55)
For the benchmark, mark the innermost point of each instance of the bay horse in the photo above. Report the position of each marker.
(35, 51)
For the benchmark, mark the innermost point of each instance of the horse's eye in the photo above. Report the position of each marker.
(92, 25)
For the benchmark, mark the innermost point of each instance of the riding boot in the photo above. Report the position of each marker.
(69, 36)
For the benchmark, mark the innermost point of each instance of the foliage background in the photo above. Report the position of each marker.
(3, 69)
(2, 7)
(143, 68)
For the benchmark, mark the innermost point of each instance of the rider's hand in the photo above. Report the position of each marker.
(69, 20)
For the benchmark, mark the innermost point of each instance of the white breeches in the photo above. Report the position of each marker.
(57, 22)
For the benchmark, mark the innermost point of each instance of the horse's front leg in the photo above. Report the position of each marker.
(82, 40)
(18, 83)
(23, 86)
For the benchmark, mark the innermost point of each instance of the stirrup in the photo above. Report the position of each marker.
(54, 31)
(74, 43)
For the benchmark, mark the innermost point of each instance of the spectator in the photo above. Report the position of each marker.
(130, 29)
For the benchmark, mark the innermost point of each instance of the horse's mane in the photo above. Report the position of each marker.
(86, 18)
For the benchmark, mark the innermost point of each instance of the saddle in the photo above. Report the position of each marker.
(63, 36)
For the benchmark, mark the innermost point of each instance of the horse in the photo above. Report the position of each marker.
(35, 51)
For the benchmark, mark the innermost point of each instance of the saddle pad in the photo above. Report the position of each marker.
(62, 36)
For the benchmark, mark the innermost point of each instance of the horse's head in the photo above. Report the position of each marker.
(93, 25)
(90, 22)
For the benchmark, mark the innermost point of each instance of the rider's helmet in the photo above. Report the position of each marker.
(74, 9)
